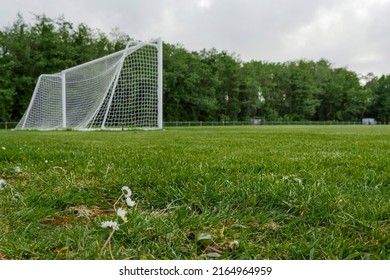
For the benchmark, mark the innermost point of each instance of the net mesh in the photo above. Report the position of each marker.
(45, 110)
(133, 103)
(86, 86)
(114, 92)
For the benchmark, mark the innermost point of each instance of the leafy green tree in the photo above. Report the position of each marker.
(6, 99)
(381, 104)
(302, 94)
(16, 67)
(343, 98)
(250, 95)
(351, 97)
(225, 69)
(324, 76)
(189, 86)
(261, 83)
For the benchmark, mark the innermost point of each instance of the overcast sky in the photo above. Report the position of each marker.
(349, 33)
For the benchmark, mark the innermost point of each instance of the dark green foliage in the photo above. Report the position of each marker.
(380, 106)
(198, 86)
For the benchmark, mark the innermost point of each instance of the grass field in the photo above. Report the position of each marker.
(274, 192)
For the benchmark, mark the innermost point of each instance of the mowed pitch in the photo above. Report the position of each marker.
(260, 192)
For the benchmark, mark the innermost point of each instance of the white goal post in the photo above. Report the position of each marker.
(122, 90)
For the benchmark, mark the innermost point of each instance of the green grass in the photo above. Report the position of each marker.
(287, 192)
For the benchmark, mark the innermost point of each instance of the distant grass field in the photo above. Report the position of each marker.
(281, 192)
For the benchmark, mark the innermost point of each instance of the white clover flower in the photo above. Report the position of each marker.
(3, 148)
(46, 161)
(17, 169)
(129, 202)
(110, 224)
(126, 191)
(122, 214)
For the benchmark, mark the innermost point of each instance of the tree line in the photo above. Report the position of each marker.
(206, 85)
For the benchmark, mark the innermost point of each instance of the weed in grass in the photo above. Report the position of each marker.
(121, 213)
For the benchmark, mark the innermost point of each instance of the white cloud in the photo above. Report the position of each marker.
(344, 33)
(204, 4)
(349, 33)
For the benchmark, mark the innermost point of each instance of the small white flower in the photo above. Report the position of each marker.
(3, 148)
(2, 182)
(17, 169)
(233, 244)
(122, 214)
(46, 161)
(129, 202)
(126, 191)
(111, 224)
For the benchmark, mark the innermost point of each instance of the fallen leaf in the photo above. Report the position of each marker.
(204, 239)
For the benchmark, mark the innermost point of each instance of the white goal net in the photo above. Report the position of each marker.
(119, 91)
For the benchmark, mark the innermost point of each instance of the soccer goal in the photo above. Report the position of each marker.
(119, 91)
